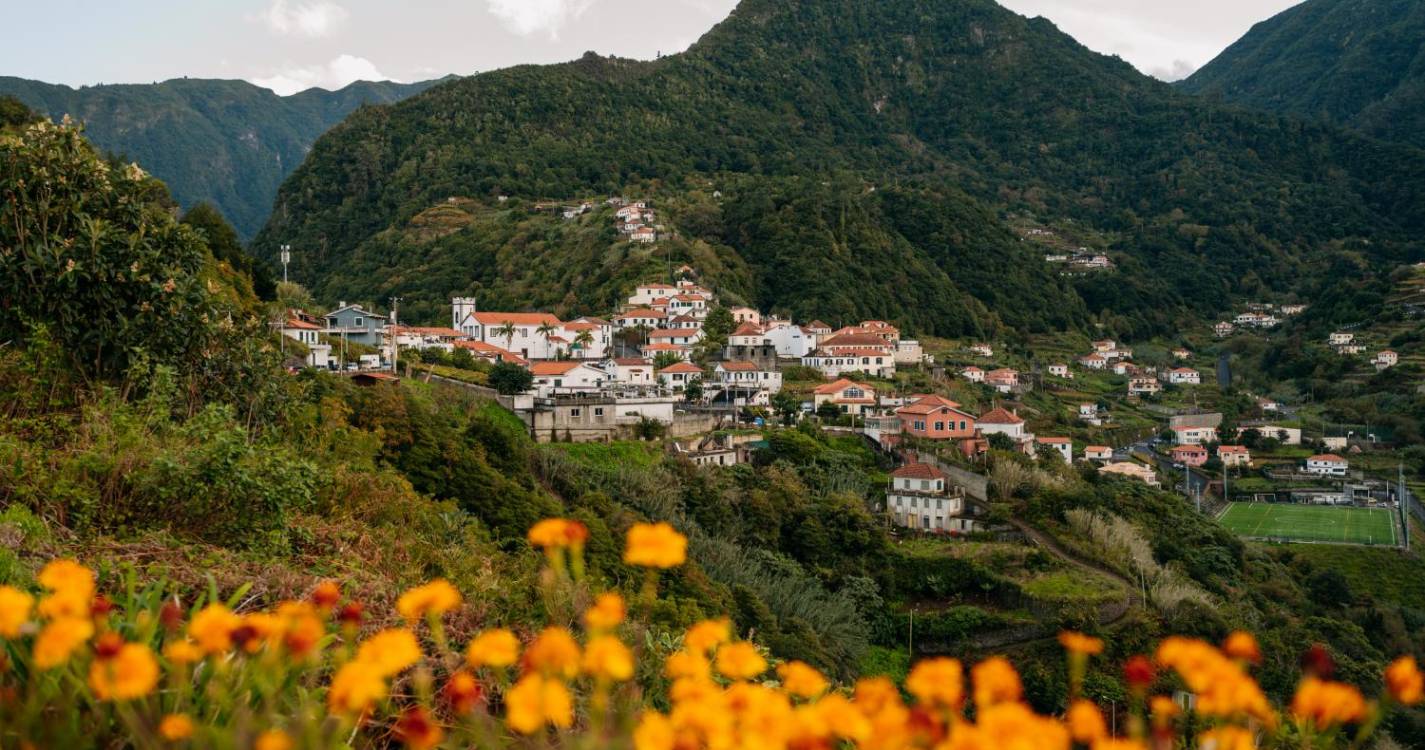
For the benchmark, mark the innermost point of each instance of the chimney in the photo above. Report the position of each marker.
(341, 304)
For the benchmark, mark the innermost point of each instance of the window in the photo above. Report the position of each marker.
(357, 322)
(574, 412)
(939, 425)
(939, 504)
(598, 411)
(924, 484)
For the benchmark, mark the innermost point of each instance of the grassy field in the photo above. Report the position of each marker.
(1311, 523)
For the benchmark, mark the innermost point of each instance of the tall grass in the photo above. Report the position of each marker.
(1124, 546)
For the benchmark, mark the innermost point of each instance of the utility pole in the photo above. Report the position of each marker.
(286, 258)
(395, 337)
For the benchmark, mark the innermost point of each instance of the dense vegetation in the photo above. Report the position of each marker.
(1359, 63)
(227, 143)
(875, 144)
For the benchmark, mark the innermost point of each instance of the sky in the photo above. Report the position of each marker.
(290, 45)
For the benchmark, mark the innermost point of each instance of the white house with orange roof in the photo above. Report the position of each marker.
(645, 294)
(836, 361)
(680, 336)
(688, 303)
(1098, 453)
(491, 353)
(1386, 360)
(309, 334)
(632, 371)
(600, 336)
(790, 340)
(568, 376)
(973, 374)
(645, 317)
(747, 334)
(921, 497)
(747, 382)
(677, 377)
(653, 350)
(1003, 379)
(1094, 361)
(878, 328)
(517, 332)
(848, 395)
(742, 314)
(1184, 376)
(984, 350)
(1000, 420)
(1234, 455)
(1060, 370)
(1063, 446)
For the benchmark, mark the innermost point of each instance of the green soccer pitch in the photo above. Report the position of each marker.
(1311, 523)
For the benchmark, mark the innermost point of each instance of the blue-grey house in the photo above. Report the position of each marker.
(356, 325)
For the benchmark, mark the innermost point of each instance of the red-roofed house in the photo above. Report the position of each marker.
(1060, 445)
(653, 350)
(1061, 371)
(936, 418)
(849, 396)
(1184, 376)
(568, 376)
(643, 316)
(1234, 455)
(1003, 380)
(745, 377)
(678, 376)
(921, 497)
(633, 371)
(680, 336)
(522, 337)
(1002, 421)
(646, 294)
(747, 334)
(491, 352)
(1189, 455)
(1098, 453)
(973, 374)
(1094, 361)
(836, 362)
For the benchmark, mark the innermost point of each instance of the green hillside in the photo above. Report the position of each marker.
(1359, 63)
(943, 116)
(228, 143)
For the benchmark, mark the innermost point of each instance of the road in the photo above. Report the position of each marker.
(1167, 473)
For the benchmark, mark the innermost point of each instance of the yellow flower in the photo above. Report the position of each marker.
(554, 652)
(212, 628)
(1327, 703)
(389, 652)
(740, 661)
(995, 682)
(59, 639)
(182, 652)
(1086, 724)
(131, 673)
(273, 739)
(654, 732)
(417, 730)
(1241, 645)
(15, 608)
(687, 664)
(1228, 738)
(802, 679)
(435, 598)
(1117, 743)
(72, 589)
(1079, 643)
(260, 628)
(493, 648)
(707, 635)
(606, 658)
(556, 533)
(175, 727)
(355, 687)
(606, 613)
(938, 682)
(535, 701)
(1404, 681)
(655, 545)
(1163, 709)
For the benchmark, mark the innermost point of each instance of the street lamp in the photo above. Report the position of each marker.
(286, 258)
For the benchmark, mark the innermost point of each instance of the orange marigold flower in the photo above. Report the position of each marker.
(1163, 709)
(390, 652)
(418, 730)
(655, 545)
(938, 682)
(212, 628)
(355, 687)
(535, 701)
(1079, 643)
(707, 635)
(1086, 724)
(1118, 743)
(326, 595)
(1242, 645)
(554, 533)
(1228, 738)
(303, 631)
(182, 652)
(131, 673)
(1404, 681)
(58, 640)
(493, 648)
(433, 599)
(995, 682)
(15, 606)
(606, 658)
(553, 652)
(71, 587)
(1326, 704)
(176, 727)
(654, 732)
(273, 739)
(687, 664)
(740, 661)
(606, 613)
(802, 679)
(462, 692)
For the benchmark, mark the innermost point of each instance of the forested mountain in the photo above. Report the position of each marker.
(835, 130)
(1359, 63)
(228, 143)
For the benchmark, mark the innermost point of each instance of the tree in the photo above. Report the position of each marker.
(666, 359)
(718, 326)
(583, 341)
(461, 358)
(1000, 441)
(546, 330)
(223, 243)
(828, 412)
(693, 391)
(509, 379)
(787, 406)
(506, 331)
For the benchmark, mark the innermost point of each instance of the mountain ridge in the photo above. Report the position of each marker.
(221, 141)
(965, 99)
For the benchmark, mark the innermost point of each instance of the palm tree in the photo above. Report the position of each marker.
(507, 331)
(546, 329)
(583, 340)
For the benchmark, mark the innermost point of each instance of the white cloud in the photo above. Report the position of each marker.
(526, 17)
(312, 18)
(1179, 70)
(338, 72)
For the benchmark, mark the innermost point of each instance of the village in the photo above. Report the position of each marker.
(674, 363)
